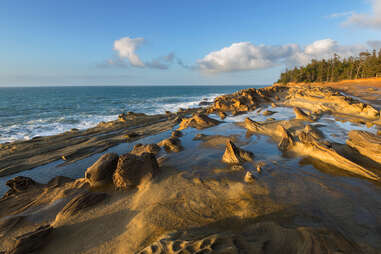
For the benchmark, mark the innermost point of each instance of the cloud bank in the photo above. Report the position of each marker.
(368, 20)
(240, 56)
(243, 56)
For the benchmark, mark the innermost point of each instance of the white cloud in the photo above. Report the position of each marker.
(247, 56)
(126, 47)
(126, 56)
(370, 20)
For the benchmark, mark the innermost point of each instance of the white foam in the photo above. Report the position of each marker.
(55, 125)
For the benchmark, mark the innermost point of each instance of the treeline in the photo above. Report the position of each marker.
(366, 65)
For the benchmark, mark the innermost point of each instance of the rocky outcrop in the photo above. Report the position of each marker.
(129, 116)
(300, 114)
(307, 141)
(198, 121)
(235, 155)
(139, 149)
(32, 241)
(368, 144)
(172, 144)
(310, 146)
(287, 141)
(101, 171)
(249, 177)
(253, 126)
(326, 99)
(81, 202)
(133, 170)
(20, 184)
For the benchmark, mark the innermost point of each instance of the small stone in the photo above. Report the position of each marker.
(249, 177)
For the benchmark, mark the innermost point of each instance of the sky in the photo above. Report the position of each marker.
(179, 42)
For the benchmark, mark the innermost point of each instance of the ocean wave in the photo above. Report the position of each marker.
(54, 125)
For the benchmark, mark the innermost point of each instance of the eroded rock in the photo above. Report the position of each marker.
(32, 241)
(20, 183)
(133, 170)
(300, 114)
(368, 144)
(139, 149)
(287, 141)
(172, 144)
(101, 171)
(249, 177)
(81, 202)
(198, 121)
(235, 155)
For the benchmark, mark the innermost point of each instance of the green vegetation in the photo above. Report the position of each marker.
(366, 65)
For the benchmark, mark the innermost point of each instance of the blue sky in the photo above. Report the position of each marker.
(206, 42)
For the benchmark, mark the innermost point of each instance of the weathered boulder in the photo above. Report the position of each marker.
(81, 202)
(198, 121)
(139, 149)
(101, 171)
(287, 141)
(20, 183)
(31, 241)
(132, 170)
(249, 177)
(300, 114)
(172, 144)
(235, 155)
(368, 144)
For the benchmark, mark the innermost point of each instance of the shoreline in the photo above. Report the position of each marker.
(249, 166)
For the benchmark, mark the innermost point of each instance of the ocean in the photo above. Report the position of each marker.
(27, 112)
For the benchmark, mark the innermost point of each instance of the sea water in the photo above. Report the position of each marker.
(27, 112)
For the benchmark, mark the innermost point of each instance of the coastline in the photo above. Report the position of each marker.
(217, 179)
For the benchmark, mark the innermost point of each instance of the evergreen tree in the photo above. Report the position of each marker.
(366, 65)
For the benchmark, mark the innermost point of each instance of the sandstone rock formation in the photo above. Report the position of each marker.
(287, 141)
(235, 155)
(249, 177)
(300, 114)
(368, 144)
(80, 202)
(132, 170)
(101, 171)
(139, 149)
(20, 184)
(198, 121)
(172, 144)
(32, 241)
